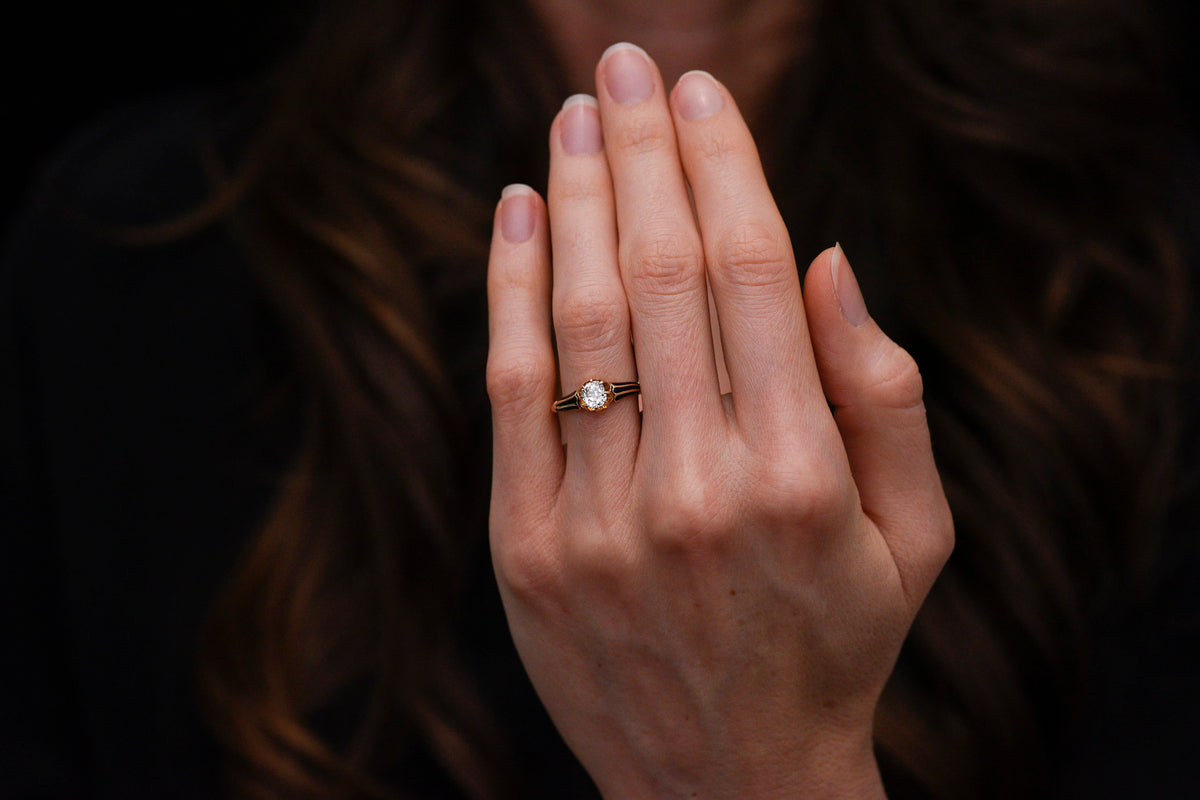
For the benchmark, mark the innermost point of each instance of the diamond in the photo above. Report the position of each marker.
(593, 395)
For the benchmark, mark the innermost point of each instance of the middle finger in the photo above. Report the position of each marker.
(662, 261)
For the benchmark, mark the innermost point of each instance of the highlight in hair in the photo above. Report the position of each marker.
(997, 171)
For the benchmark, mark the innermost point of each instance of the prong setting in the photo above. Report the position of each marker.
(594, 395)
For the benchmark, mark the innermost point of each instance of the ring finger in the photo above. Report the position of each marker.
(591, 315)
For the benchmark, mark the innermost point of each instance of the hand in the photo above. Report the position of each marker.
(709, 596)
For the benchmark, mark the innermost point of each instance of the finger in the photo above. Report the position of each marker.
(753, 274)
(521, 380)
(662, 262)
(591, 316)
(875, 388)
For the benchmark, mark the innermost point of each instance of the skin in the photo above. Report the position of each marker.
(708, 595)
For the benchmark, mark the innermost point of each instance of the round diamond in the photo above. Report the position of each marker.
(593, 395)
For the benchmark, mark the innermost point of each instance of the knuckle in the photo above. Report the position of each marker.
(752, 254)
(930, 552)
(511, 277)
(666, 264)
(577, 190)
(644, 135)
(688, 515)
(803, 495)
(824, 495)
(592, 317)
(600, 557)
(716, 148)
(895, 380)
(515, 380)
(944, 536)
(530, 573)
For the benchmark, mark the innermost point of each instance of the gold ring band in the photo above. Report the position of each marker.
(595, 395)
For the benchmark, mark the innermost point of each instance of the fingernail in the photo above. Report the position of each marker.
(698, 96)
(627, 73)
(516, 213)
(845, 288)
(580, 127)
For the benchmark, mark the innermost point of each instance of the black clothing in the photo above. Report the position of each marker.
(131, 482)
(122, 510)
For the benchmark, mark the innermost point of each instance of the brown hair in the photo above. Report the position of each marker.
(996, 171)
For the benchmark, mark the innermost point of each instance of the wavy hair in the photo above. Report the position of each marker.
(997, 169)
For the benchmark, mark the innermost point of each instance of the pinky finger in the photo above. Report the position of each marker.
(521, 374)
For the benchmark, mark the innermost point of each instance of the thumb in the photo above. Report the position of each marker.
(875, 389)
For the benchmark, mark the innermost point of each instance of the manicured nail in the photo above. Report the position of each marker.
(845, 288)
(627, 73)
(697, 95)
(580, 126)
(516, 213)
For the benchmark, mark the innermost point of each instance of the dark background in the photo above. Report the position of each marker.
(64, 65)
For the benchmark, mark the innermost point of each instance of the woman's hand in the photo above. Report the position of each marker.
(708, 596)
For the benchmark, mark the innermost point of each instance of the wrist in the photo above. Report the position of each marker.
(829, 767)
(832, 768)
